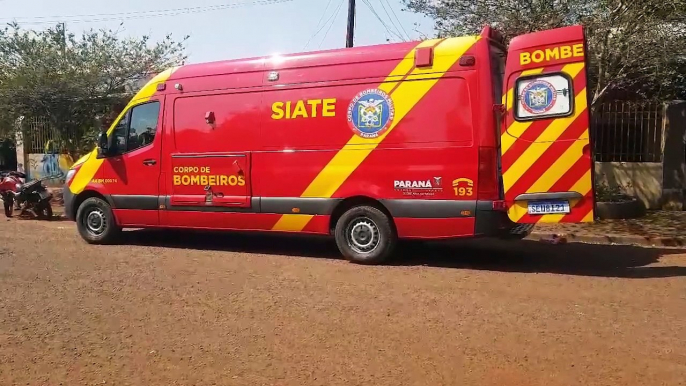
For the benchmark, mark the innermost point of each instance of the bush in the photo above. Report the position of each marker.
(616, 193)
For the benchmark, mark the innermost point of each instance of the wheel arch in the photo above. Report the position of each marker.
(83, 196)
(352, 202)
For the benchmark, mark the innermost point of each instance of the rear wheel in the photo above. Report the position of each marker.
(95, 222)
(45, 211)
(365, 235)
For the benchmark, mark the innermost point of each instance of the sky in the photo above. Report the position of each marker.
(228, 29)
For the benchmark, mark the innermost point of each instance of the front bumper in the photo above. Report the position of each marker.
(69, 210)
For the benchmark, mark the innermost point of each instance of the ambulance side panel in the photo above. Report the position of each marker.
(283, 147)
(410, 172)
(408, 165)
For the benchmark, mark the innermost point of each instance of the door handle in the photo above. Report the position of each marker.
(149, 162)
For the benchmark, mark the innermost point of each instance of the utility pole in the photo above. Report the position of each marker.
(64, 37)
(351, 24)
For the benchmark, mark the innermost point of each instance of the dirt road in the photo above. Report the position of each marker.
(217, 309)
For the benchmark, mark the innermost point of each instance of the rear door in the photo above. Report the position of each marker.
(547, 165)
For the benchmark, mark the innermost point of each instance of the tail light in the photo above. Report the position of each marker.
(499, 205)
(488, 174)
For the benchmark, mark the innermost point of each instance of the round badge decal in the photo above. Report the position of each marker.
(538, 97)
(371, 113)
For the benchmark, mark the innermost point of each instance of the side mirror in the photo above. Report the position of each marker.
(103, 146)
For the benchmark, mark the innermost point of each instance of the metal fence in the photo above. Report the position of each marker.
(628, 132)
(41, 137)
(37, 134)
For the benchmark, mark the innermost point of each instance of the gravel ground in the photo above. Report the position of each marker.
(214, 309)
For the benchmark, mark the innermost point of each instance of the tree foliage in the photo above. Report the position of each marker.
(637, 48)
(71, 80)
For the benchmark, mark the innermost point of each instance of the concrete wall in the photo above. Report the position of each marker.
(644, 179)
(44, 165)
(674, 150)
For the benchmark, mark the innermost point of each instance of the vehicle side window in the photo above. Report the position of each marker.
(120, 135)
(546, 96)
(137, 128)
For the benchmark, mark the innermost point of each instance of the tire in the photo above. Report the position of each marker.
(9, 208)
(45, 212)
(371, 226)
(103, 228)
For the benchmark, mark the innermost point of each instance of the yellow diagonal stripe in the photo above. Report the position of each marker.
(404, 97)
(542, 143)
(516, 129)
(588, 217)
(91, 164)
(582, 186)
(560, 167)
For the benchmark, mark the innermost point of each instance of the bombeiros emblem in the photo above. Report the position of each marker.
(371, 113)
(538, 97)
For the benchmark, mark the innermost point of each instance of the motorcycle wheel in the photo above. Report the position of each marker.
(9, 208)
(45, 211)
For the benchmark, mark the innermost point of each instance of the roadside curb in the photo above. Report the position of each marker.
(649, 241)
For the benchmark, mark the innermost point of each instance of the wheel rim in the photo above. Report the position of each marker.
(95, 222)
(363, 235)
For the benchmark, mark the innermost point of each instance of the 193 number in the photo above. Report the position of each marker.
(463, 191)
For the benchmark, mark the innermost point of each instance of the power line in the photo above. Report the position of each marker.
(318, 23)
(156, 11)
(332, 22)
(389, 17)
(396, 18)
(388, 29)
(140, 15)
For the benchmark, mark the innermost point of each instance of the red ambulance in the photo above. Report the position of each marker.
(444, 138)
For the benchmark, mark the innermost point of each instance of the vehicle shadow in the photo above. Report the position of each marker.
(577, 259)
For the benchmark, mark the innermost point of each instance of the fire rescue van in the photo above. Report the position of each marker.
(444, 138)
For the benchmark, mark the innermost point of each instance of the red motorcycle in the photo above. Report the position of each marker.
(32, 196)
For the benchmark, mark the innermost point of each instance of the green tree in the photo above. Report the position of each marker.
(72, 80)
(637, 48)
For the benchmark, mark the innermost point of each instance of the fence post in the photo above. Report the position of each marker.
(20, 146)
(674, 156)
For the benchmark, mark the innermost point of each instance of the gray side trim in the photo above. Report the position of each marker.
(429, 208)
(312, 206)
(549, 196)
(68, 198)
(134, 202)
(285, 205)
(254, 207)
(484, 205)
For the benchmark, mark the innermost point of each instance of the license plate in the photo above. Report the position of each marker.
(549, 207)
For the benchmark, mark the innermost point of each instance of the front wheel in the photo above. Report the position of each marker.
(9, 208)
(95, 222)
(365, 235)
